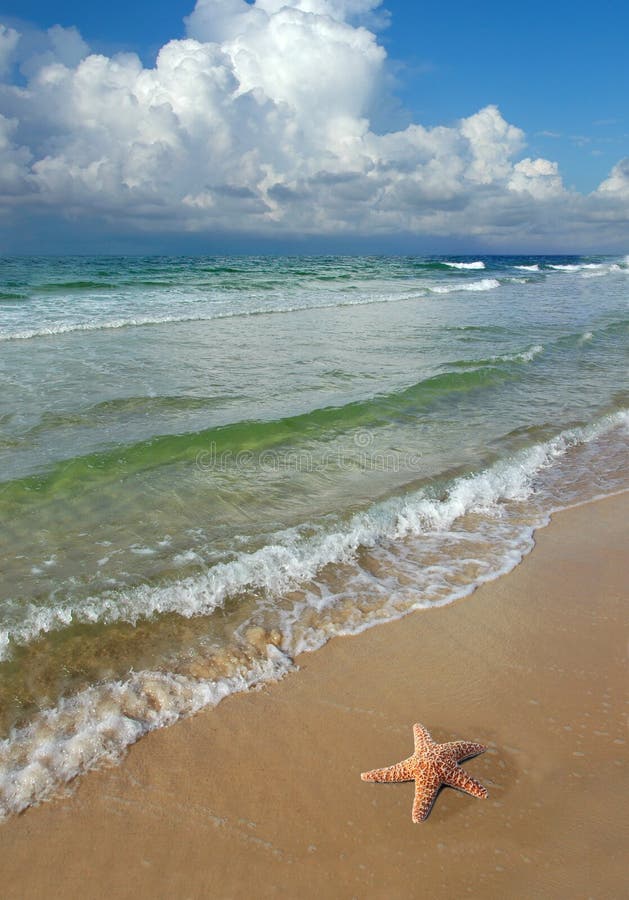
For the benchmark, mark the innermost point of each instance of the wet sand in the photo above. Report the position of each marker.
(262, 797)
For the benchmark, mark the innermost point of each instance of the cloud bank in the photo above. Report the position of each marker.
(260, 122)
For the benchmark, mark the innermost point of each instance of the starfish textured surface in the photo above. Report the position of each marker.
(431, 766)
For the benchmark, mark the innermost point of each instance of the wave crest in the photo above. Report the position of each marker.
(478, 264)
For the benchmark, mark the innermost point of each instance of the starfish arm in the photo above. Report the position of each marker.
(399, 772)
(421, 736)
(463, 782)
(426, 790)
(465, 749)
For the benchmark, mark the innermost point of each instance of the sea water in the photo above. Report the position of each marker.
(209, 465)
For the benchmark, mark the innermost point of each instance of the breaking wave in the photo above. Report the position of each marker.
(466, 265)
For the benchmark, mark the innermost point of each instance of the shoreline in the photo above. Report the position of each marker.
(262, 794)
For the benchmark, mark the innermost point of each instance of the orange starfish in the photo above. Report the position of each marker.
(430, 766)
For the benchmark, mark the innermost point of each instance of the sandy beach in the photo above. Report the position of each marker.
(262, 795)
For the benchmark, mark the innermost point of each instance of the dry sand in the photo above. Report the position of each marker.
(261, 797)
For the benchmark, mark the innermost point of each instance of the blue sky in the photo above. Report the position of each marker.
(552, 67)
(556, 71)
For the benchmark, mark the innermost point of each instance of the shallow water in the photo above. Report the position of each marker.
(208, 465)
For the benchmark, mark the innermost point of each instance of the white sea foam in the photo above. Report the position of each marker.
(576, 267)
(98, 723)
(68, 328)
(485, 284)
(142, 321)
(59, 329)
(534, 268)
(524, 356)
(612, 269)
(466, 265)
(292, 558)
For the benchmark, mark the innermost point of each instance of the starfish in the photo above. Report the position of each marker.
(430, 766)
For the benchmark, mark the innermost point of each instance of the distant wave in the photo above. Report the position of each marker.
(575, 267)
(590, 270)
(466, 265)
(579, 338)
(613, 269)
(522, 356)
(60, 329)
(534, 268)
(485, 284)
(51, 330)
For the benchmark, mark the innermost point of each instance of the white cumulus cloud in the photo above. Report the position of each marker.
(260, 122)
(617, 185)
(538, 177)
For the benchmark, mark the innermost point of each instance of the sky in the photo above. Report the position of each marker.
(313, 125)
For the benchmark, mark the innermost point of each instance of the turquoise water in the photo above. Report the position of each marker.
(208, 465)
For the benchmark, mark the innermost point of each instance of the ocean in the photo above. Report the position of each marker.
(209, 465)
